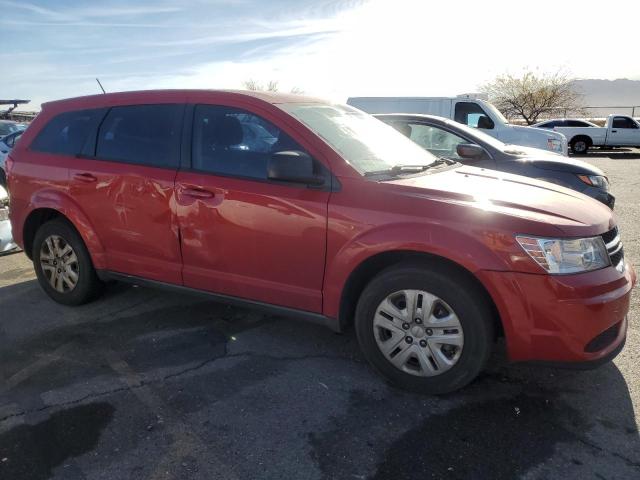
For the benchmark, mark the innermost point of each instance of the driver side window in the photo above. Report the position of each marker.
(472, 115)
(234, 142)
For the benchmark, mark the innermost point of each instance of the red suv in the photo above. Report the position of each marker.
(318, 210)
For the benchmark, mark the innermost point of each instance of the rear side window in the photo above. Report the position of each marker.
(143, 134)
(65, 134)
(234, 142)
(577, 123)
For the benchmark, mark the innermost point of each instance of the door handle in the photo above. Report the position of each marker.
(197, 193)
(84, 177)
(614, 131)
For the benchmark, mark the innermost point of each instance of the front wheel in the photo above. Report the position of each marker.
(425, 329)
(63, 265)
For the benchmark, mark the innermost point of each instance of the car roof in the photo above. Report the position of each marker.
(417, 117)
(167, 95)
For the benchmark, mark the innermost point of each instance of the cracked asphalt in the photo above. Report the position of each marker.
(148, 385)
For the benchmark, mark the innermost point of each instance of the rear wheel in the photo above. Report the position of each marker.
(426, 330)
(580, 145)
(63, 265)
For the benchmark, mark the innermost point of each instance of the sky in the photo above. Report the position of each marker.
(334, 49)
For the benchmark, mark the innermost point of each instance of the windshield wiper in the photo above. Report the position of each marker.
(409, 168)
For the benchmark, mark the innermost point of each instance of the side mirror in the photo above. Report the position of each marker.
(293, 166)
(469, 151)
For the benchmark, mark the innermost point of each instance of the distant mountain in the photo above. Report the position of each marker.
(610, 93)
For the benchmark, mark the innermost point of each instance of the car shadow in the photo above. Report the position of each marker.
(272, 397)
(618, 153)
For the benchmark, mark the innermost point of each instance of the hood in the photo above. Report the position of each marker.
(551, 161)
(538, 205)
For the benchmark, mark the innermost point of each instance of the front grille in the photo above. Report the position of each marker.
(614, 248)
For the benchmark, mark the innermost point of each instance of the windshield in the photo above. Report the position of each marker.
(496, 113)
(365, 142)
(8, 127)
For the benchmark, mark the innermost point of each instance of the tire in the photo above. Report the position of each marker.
(580, 145)
(455, 293)
(87, 286)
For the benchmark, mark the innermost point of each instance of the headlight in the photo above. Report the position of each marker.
(598, 181)
(559, 256)
(554, 145)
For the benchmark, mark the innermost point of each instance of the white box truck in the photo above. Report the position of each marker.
(468, 110)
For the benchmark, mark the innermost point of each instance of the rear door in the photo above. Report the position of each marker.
(244, 235)
(624, 131)
(124, 182)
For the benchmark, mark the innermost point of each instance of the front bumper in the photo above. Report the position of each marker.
(568, 319)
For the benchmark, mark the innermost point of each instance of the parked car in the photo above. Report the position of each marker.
(564, 122)
(344, 221)
(618, 131)
(446, 138)
(8, 126)
(6, 144)
(470, 111)
(6, 238)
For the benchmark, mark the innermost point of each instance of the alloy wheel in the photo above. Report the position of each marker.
(59, 264)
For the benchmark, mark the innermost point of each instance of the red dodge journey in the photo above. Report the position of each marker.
(318, 210)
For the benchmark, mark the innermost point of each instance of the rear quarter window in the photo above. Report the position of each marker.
(66, 133)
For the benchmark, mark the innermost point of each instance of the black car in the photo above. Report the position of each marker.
(449, 139)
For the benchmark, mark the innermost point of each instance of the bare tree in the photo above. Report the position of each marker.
(271, 86)
(532, 96)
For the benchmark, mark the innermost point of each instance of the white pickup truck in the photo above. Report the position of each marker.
(469, 110)
(618, 131)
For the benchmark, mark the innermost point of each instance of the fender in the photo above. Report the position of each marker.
(438, 240)
(63, 203)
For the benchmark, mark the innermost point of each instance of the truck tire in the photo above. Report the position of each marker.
(428, 330)
(580, 145)
(63, 264)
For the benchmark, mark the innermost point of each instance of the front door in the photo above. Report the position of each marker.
(242, 234)
(126, 189)
(624, 131)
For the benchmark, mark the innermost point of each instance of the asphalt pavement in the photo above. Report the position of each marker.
(142, 384)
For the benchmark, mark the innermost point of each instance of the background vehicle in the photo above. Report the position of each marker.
(344, 221)
(6, 144)
(618, 131)
(564, 122)
(444, 137)
(8, 126)
(469, 111)
(6, 238)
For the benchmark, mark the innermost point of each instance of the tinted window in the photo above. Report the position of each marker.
(472, 115)
(230, 141)
(66, 133)
(623, 122)
(577, 123)
(144, 134)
